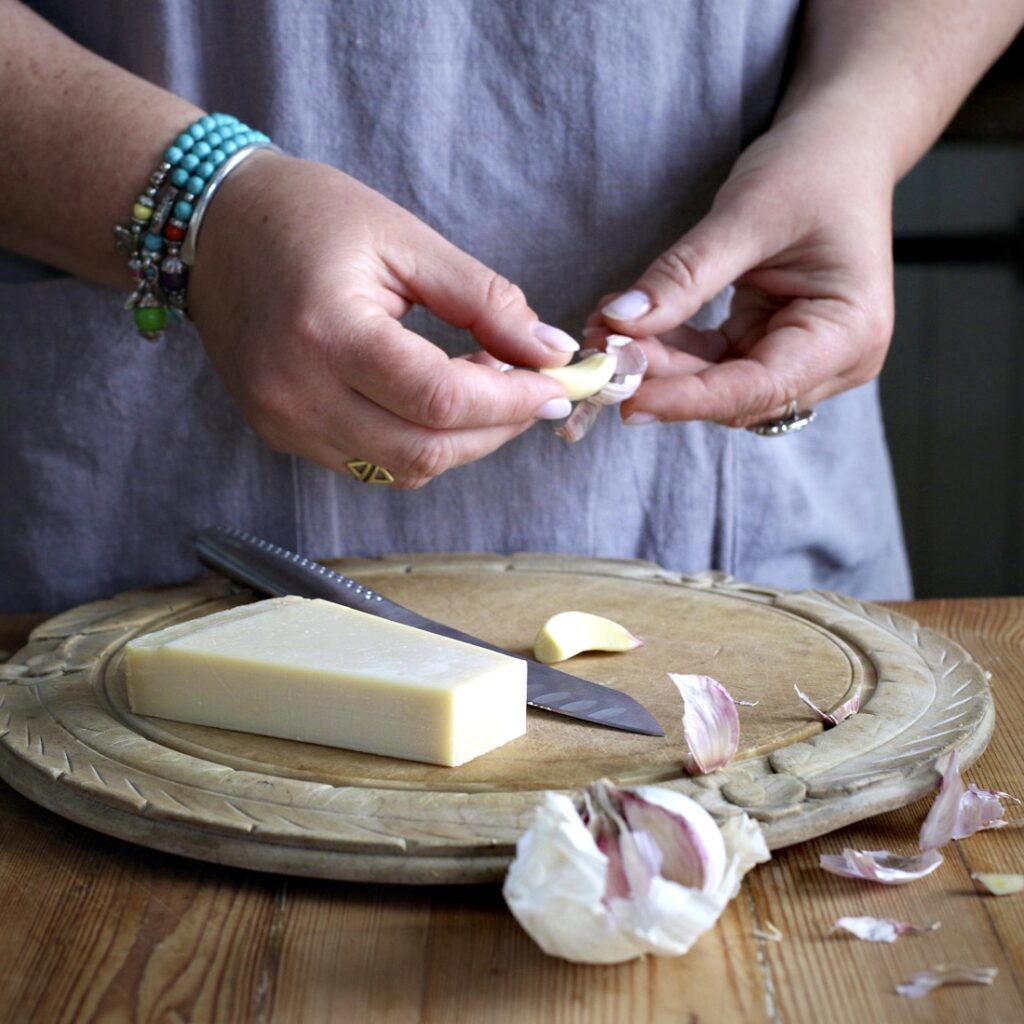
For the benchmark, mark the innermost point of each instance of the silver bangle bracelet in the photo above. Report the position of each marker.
(188, 246)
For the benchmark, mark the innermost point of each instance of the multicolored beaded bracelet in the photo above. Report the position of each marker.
(170, 207)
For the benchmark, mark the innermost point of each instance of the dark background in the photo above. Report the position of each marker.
(953, 386)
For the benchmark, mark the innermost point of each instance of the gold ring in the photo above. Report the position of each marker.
(369, 472)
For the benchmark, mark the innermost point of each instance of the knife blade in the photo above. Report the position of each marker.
(274, 570)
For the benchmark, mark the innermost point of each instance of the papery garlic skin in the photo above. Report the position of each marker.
(923, 982)
(959, 811)
(555, 888)
(589, 906)
(711, 723)
(881, 865)
(831, 718)
(880, 929)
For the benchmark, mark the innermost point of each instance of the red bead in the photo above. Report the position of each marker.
(174, 234)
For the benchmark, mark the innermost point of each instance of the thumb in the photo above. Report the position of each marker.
(464, 292)
(716, 252)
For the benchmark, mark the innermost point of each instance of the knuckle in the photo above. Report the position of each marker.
(441, 404)
(502, 295)
(680, 265)
(431, 457)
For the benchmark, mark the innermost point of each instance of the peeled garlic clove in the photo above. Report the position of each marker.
(585, 378)
(881, 865)
(922, 982)
(880, 929)
(569, 633)
(999, 885)
(711, 723)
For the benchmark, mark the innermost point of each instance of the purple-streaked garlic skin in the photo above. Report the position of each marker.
(959, 811)
(629, 373)
(881, 865)
(831, 718)
(693, 853)
(711, 723)
(593, 882)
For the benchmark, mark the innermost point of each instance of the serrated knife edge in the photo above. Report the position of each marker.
(275, 570)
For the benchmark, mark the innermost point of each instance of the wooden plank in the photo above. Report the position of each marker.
(816, 976)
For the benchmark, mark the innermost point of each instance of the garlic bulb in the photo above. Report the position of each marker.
(632, 871)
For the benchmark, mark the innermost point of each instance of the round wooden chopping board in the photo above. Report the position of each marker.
(70, 743)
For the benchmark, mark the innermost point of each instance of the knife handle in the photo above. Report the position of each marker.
(271, 569)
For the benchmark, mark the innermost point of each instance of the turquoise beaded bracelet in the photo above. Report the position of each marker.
(170, 208)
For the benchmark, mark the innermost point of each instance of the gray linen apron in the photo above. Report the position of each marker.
(563, 143)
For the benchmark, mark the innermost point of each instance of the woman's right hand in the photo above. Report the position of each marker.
(302, 276)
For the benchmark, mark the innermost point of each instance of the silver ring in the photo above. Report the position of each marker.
(790, 422)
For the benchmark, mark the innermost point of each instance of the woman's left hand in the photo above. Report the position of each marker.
(802, 227)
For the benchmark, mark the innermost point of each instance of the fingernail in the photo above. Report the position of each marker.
(638, 419)
(555, 409)
(554, 338)
(628, 306)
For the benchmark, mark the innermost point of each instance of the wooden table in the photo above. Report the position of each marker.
(94, 930)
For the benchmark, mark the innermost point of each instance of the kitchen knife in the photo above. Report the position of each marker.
(275, 570)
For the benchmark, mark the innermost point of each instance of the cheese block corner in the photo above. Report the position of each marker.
(317, 672)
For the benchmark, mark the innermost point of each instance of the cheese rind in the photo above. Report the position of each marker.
(315, 671)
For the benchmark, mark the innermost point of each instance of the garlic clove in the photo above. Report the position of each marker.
(711, 723)
(881, 865)
(585, 378)
(831, 718)
(999, 885)
(923, 982)
(569, 633)
(694, 852)
(880, 929)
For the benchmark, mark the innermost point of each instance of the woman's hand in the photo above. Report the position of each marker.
(301, 278)
(802, 226)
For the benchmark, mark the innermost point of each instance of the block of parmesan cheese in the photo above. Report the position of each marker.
(315, 671)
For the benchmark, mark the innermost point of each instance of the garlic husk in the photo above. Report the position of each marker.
(881, 929)
(959, 811)
(629, 373)
(881, 865)
(831, 718)
(999, 884)
(711, 723)
(642, 870)
(923, 982)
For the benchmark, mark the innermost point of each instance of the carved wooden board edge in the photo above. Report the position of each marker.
(138, 790)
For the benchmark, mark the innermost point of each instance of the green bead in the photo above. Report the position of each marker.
(150, 318)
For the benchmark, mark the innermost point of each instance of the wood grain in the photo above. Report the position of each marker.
(97, 930)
